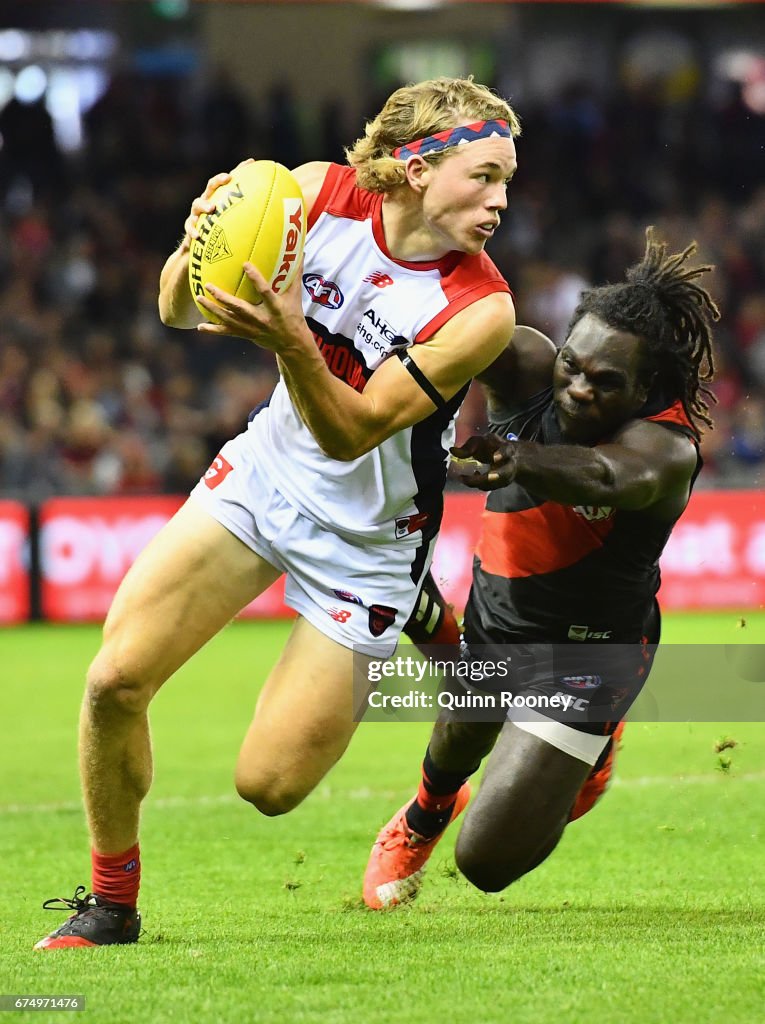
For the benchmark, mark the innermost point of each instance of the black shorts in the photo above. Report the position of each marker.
(588, 686)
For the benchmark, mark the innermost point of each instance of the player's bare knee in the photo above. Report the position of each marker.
(269, 796)
(112, 689)
(488, 865)
(483, 872)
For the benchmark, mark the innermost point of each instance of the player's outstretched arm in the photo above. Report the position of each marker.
(520, 371)
(176, 306)
(644, 465)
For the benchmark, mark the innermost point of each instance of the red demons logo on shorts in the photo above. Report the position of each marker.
(380, 617)
(217, 473)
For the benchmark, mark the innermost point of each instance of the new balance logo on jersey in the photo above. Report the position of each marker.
(378, 279)
(585, 633)
(594, 513)
(325, 292)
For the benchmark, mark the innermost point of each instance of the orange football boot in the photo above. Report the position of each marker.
(397, 862)
(598, 780)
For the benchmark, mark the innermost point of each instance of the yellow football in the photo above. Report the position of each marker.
(259, 217)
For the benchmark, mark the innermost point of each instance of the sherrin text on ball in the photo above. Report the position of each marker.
(259, 217)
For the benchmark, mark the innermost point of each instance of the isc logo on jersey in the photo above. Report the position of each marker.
(583, 633)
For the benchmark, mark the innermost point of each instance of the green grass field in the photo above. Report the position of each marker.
(652, 909)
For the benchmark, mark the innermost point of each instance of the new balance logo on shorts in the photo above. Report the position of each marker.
(217, 473)
(339, 614)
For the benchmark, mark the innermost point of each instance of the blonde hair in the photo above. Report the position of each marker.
(414, 112)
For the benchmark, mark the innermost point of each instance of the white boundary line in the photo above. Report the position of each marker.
(328, 793)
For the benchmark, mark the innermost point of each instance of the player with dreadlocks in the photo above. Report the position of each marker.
(593, 453)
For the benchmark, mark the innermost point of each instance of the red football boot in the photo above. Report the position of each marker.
(598, 780)
(397, 862)
(95, 922)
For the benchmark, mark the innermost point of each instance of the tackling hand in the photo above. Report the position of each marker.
(486, 462)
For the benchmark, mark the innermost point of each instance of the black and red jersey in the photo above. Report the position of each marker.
(548, 571)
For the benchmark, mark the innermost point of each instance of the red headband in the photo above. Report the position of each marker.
(453, 137)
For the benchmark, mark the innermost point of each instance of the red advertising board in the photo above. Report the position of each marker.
(14, 563)
(715, 557)
(88, 544)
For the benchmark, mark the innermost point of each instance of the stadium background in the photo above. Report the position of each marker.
(112, 116)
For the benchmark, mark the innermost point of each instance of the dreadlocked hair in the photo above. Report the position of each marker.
(662, 302)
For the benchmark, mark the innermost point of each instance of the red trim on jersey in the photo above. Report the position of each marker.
(350, 201)
(467, 297)
(334, 179)
(674, 413)
(537, 540)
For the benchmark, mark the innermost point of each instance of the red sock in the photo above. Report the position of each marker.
(434, 802)
(117, 876)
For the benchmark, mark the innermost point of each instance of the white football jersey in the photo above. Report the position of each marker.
(362, 305)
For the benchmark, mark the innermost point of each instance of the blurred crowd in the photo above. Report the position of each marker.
(97, 397)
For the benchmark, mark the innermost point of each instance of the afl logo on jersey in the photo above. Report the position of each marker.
(325, 292)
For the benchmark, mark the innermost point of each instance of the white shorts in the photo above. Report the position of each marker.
(360, 595)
